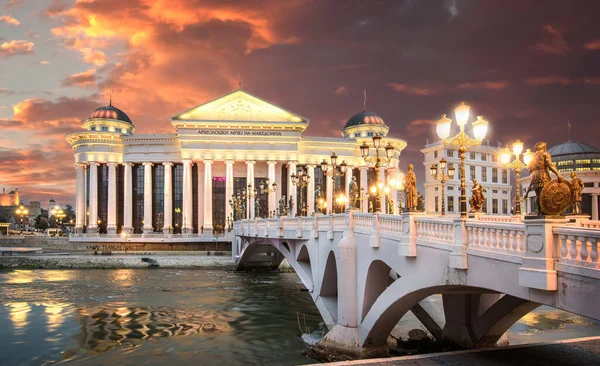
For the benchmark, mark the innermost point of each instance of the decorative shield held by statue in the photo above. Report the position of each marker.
(556, 197)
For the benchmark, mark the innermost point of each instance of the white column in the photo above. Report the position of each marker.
(272, 204)
(594, 206)
(250, 190)
(310, 195)
(291, 188)
(200, 181)
(127, 199)
(394, 192)
(364, 183)
(228, 188)
(329, 189)
(148, 197)
(168, 198)
(80, 197)
(93, 224)
(187, 197)
(208, 222)
(383, 201)
(348, 180)
(111, 218)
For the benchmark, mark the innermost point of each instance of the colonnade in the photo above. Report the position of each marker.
(205, 196)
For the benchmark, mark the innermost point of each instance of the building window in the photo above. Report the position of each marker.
(505, 176)
(565, 166)
(483, 157)
(450, 188)
(472, 169)
(582, 164)
(177, 184)
(436, 189)
(435, 154)
(494, 175)
(105, 128)
(102, 197)
(505, 206)
(505, 192)
(218, 209)
(450, 203)
(495, 205)
(137, 175)
(437, 204)
(158, 194)
(370, 134)
(472, 156)
(494, 158)
(494, 191)
(450, 153)
(357, 134)
(589, 184)
(483, 173)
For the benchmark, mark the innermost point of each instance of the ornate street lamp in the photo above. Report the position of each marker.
(301, 180)
(322, 204)
(462, 142)
(378, 159)
(341, 201)
(441, 175)
(516, 165)
(265, 187)
(22, 211)
(331, 170)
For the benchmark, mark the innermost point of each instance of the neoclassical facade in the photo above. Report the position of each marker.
(182, 183)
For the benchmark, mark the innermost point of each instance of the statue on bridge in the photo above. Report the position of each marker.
(353, 193)
(256, 208)
(577, 189)
(410, 189)
(243, 209)
(290, 211)
(477, 198)
(551, 197)
(282, 206)
(318, 195)
(420, 202)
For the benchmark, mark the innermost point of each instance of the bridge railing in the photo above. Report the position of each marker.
(435, 231)
(577, 246)
(501, 237)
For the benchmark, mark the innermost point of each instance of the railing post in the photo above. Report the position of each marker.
(458, 257)
(299, 227)
(538, 270)
(315, 228)
(408, 236)
(281, 226)
(374, 239)
(330, 229)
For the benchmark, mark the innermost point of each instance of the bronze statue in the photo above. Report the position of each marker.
(420, 202)
(353, 193)
(410, 189)
(540, 167)
(390, 203)
(291, 206)
(282, 206)
(577, 191)
(477, 198)
(256, 208)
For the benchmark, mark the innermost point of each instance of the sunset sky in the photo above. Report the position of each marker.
(529, 67)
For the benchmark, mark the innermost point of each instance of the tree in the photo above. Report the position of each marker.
(41, 223)
(70, 212)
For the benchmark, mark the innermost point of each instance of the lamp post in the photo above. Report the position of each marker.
(378, 159)
(516, 165)
(249, 195)
(322, 205)
(265, 187)
(341, 201)
(301, 180)
(462, 142)
(22, 211)
(331, 170)
(438, 172)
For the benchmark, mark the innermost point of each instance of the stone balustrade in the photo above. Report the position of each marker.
(501, 237)
(577, 246)
(434, 230)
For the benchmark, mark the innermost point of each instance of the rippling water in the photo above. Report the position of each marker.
(156, 317)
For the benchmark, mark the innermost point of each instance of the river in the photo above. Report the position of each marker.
(164, 316)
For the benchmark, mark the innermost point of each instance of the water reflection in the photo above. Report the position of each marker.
(18, 312)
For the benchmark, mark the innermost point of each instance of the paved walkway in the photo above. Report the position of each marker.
(575, 352)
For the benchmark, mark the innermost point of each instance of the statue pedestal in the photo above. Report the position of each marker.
(577, 218)
(475, 215)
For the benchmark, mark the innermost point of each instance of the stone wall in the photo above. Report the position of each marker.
(44, 242)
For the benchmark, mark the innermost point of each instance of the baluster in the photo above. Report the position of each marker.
(594, 254)
(493, 243)
(584, 250)
(511, 240)
(486, 237)
(480, 236)
(573, 250)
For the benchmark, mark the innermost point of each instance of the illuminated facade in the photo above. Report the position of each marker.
(481, 163)
(584, 160)
(182, 183)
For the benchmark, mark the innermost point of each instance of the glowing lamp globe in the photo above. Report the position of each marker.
(528, 156)
(517, 147)
(442, 127)
(505, 157)
(480, 128)
(462, 114)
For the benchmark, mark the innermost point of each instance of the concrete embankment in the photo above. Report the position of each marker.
(44, 242)
(141, 260)
(571, 352)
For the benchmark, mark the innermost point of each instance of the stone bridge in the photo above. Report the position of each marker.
(365, 271)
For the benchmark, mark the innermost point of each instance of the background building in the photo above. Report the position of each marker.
(583, 159)
(183, 182)
(10, 198)
(481, 163)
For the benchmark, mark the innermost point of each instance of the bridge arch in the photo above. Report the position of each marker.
(304, 262)
(329, 286)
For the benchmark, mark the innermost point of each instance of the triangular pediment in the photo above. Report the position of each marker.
(239, 106)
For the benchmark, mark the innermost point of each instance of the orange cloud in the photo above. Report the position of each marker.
(97, 58)
(83, 79)
(493, 85)
(420, 127)
(423, 89)
(426, 89)
(13, 48)
(342, 90)
(13, 3)
(9, 20)
(44, 62)
(553, 41)
(593, 45)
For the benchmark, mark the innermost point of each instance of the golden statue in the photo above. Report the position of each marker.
(577, 190)
(410, 189)
(552, 197)
(477, 198)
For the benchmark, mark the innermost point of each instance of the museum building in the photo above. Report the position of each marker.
(238, 145)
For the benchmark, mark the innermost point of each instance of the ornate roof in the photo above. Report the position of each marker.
(364, 118)
(569, 148)
(110, 112)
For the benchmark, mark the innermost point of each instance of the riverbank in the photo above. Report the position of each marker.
(118, 261)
